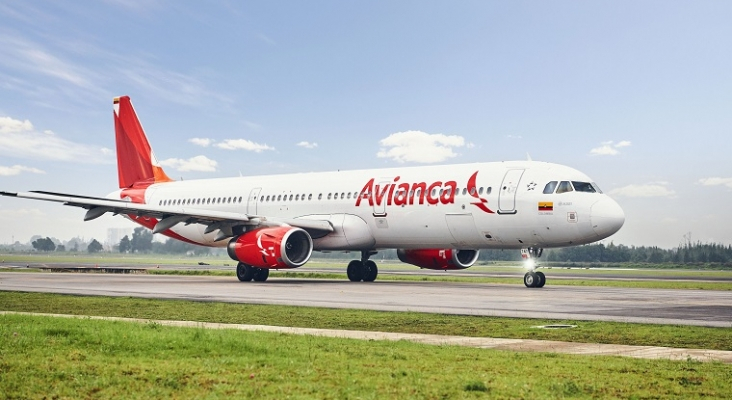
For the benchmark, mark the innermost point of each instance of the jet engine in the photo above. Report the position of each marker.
(439, 258)
(277, 247)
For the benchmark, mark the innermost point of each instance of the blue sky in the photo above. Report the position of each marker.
(637, 95)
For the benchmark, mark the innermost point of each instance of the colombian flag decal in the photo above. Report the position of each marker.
(546, 206)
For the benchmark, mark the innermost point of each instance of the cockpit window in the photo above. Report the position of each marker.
(597, 188)
(549, 188)
(583, 187)
(564, 187)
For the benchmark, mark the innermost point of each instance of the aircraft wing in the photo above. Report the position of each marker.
(168, 217)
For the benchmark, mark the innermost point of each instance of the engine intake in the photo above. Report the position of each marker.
(439, 258)
(278, 247)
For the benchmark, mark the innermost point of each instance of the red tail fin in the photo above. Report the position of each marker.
(136, 163)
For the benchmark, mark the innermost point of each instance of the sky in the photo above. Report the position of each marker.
(637, 95)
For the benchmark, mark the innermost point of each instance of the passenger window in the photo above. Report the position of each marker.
(583, 187)
(349, 195)
(310, 196)
(564, 187)
(320, 196)
(549, 188)
(328, 196)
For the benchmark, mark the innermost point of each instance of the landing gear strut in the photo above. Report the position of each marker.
(246, 273)
(363, 269)
(533, 278)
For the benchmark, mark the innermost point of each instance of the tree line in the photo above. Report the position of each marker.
(47, 244)
(687, 253)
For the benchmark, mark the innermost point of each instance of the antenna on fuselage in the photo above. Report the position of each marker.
(528, 157)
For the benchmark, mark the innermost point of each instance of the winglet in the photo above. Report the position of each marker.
(136, 163)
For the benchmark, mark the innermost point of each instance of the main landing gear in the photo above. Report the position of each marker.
(246, 273)
(364, 269)
(533, 278)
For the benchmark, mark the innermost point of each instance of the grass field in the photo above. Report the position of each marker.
(405, 322)
(335, 269)
(45, 357)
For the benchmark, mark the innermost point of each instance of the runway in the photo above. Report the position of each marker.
(658, 306)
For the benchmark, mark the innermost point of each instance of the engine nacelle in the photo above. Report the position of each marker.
(439, 258)
(277, 247)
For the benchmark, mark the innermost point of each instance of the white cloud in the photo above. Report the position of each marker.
(203, 142)
(609, 148)
(17, 169)
(307, 145)
(197, 163)
(716, 181)
(243, 144)
(417, 146)
(65, 63)
(170, 85)
(10, 125)
(18, 139)
(266, 39)
(20, 54)
(654, 189)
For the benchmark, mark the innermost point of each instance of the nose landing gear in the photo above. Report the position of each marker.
(533, 278)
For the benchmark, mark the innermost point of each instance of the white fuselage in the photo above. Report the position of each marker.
(410, 208)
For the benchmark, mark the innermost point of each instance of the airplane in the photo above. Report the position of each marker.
(437, 217)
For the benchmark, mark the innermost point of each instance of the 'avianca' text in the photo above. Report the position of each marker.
(398, 194)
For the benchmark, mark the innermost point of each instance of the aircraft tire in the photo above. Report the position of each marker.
(261, 274)
(244, 272)
(542, 279)
(355, 271)
(531, 279)
(370, 271)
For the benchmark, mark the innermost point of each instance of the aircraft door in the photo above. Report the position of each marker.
(380, 197)
(253, 200)
(509, 187)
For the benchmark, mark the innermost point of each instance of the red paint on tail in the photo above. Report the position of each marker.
(136, 163)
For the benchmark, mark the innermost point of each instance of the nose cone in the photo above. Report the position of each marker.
(606, 217)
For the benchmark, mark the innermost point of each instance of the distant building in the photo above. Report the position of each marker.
(114, 235)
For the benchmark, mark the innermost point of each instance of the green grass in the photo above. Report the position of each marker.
(405, 322)
(44, 357)
(335, 269)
